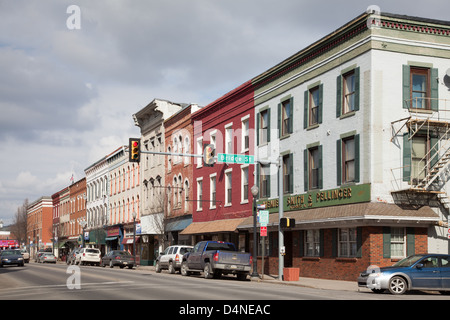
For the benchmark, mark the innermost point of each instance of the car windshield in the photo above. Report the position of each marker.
(122, 253)
(92, 250)
(10, 252)
(407, 262)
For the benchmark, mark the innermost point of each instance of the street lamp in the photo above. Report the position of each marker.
(134, 236)
(255, 191)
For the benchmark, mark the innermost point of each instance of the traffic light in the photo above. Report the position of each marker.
(208, 155)
(287, 223)
(134, 150)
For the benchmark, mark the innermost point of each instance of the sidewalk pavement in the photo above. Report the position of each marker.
(302, 282)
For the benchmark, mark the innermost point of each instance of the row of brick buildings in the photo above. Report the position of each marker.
(359, 122)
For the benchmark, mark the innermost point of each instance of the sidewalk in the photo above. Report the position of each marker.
(302, 282)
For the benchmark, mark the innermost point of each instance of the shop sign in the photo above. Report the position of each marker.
(321, 198)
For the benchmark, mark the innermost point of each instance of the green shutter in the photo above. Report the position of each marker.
(268, 125)
(434, 89)
(359, 242)
(291, 116)
(301, 245)
(406, 158)
(305, 109)
(406, 86)
(305, 169)
(322, 243)
(320, 167)
(291, 173)
(334, 242)
(338, 96)
(320, 102)
(410, 241)
(386, 242)
(279, 120)
(357, 158)
(258, 119)
(357, 89)
(339, 162)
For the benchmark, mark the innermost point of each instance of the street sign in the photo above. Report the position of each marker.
(263, 217)
(235, 158)
(263, 232)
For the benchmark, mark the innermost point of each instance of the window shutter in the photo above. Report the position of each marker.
(406, 158)
(258, 120)
(359, 242)
(301, 238)
(334, 243)
(322, 243)
(305, 109)
(279, 120)
(291, 173)
(406, 86)
(305, 169)
(320, 167)
(357, 88)
(338, 96)
(410, 241)
(386, 242)
(434, 89)
(258, 175)
(339, 162)
(291, 116)
(320, 102)
(357, 158)
(433, 156)
(268, 125)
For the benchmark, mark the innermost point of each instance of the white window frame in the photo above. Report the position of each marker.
(212, 203)
(199, 199)
(228, 173)
(245, 124)
(243, 168)
(199, 152)
(398, 238)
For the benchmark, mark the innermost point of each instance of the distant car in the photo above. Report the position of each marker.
(89, 256)
(71, 257)
(47, 258)
(416, 272)
(38, 256)
(172, 258)
(11, 257)
(119, 258)
(25, 255)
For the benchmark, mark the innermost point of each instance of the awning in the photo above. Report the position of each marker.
(178, 225)
(369, 212)
(130, 240)
(216, 226)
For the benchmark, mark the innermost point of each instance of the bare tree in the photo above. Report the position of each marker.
(19, 226)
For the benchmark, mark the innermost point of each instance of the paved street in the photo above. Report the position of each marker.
(39, 281)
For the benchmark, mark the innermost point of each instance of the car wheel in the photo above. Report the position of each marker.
(184, 269)
(158, 267)
(398, 285)
(171, 268)
(207, 271)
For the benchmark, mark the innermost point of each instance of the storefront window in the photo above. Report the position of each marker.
(312, 243)
(347, 242)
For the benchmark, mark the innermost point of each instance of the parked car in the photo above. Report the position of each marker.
(119, 258)
(89, 256)
(47, 258)
(172, 258)
(25, 255)
(11, 257)
(38, 256)
(416, 272)
(215, 258)
(71, 257)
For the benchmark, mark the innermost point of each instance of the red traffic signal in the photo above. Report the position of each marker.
(208, 155)
(134, 150)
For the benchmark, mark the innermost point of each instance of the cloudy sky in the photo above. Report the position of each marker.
(67, 95)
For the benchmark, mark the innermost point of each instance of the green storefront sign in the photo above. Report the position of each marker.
(321, 198)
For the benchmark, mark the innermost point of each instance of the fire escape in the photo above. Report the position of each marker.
(422, 177)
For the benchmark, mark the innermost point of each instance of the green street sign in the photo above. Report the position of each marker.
(235, 158)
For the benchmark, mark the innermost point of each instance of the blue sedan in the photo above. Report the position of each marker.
(416, 272)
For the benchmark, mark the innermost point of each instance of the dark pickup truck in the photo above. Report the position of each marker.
(215, 258)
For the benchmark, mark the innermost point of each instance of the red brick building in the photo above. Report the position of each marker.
(178, 189)
(221, 193)
(39, 224)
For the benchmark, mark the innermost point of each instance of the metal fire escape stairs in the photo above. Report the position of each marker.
(434, 168)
